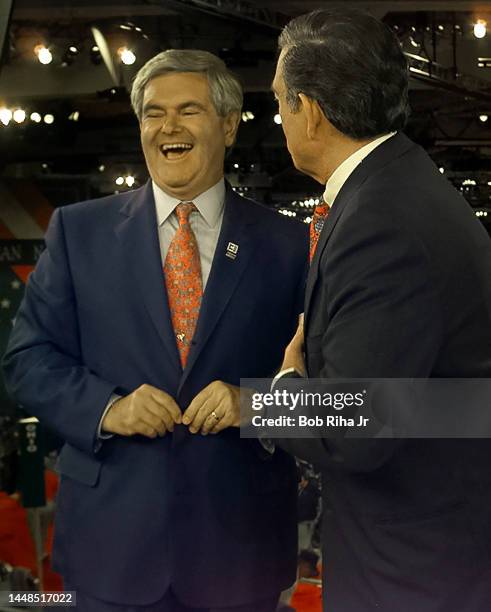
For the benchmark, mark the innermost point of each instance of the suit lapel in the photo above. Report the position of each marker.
(138, 234)
(379, 157)
(226, 271)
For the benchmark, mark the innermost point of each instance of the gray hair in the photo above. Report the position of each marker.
(225, 89)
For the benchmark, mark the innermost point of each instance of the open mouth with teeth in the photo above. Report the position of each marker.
(176, 150)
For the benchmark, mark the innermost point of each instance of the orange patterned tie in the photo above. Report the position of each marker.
(318, 219)
(182, 271)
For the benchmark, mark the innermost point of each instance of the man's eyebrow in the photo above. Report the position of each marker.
(151, 106)
(191, 103)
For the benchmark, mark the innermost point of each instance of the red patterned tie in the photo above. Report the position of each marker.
(182, 271)
(318, 219)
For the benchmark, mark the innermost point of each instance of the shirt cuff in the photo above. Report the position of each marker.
(287, 373)
(105, 436)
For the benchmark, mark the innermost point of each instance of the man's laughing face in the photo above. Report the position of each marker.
(183, 137)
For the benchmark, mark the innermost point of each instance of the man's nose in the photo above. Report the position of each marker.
(170, 124)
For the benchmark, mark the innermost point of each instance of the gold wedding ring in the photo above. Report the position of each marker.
(215, 416)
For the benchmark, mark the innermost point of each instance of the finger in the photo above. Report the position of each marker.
(211, 421)
(201, 415)
(193, 409)
(156, 423)
(223, 412)
(166, 401)
(227, 408)
(220, 425)
(195, 405)
(144, 429)
(298, 338)
(156, 411)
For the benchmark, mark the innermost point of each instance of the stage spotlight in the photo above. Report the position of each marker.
(5, 115)
(49, 119)
(119, 180)
(277, 119)
(130, 180)
(95, 55)
(19, 115)
(36, 117)
(127, 56)
(44, 54)
(69, 56)
(74, 116)
(483, 118)
(480, 28)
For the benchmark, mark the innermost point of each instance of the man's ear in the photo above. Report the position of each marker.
(231, 125)
(313, 115)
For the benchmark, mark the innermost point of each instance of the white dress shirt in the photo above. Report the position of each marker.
(205, 222)
(339, 177)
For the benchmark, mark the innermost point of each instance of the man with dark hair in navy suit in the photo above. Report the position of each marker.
(399, 287)
(141, 317)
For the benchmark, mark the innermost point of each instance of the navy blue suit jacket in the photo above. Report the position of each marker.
(214, 516)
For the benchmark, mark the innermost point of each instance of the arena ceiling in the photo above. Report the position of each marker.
(450, 90)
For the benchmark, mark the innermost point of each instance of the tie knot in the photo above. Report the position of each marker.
(183, 210)
(322, 209)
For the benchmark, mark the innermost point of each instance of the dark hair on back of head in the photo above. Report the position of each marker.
(352, 65)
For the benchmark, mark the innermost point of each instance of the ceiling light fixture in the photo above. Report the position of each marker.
(44, 55)
(480, 28)
(19, 115)
(5, 115)
(127, 56)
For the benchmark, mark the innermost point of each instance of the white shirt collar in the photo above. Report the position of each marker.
(209, 203)
(342, 172)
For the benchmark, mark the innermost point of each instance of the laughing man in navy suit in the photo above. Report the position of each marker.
(152, 512)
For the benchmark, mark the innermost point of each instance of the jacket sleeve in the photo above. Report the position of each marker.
(43, 365)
